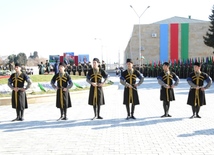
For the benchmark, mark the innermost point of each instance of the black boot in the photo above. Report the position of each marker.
(128, 111)
(132, 111)
(193, 111)
(95, 113)
(22, 115)
(65, 114)
(18, 115)
(165, 109)
(197, 111)
(61, 112)
(98, 112)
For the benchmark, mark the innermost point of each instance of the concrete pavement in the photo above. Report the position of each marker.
(149, 134)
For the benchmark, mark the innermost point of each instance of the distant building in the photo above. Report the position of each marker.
(170, 39)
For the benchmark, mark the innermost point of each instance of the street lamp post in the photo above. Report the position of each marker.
(139, 33)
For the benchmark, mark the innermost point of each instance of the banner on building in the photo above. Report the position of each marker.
(83, 58)
(68, 58)
(53, 59)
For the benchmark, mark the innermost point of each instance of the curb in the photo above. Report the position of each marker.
(33, 99)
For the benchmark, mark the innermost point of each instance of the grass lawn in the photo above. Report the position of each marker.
(46, 78)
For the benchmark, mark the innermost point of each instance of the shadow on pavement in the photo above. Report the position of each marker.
(198, 132)
(95, 124)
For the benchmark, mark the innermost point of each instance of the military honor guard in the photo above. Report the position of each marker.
(95, 78)
(19, 98)
(74, 69)
(196, 97)
(63, 84)
(168, 80)
(79, 68)
(128, 78)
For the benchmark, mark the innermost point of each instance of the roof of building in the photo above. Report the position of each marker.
(177, 19)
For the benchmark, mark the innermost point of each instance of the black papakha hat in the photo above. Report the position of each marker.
(197, 64)
(17, 65)
(166, 63)
(62, 64)
(96, 59)
(129, 60)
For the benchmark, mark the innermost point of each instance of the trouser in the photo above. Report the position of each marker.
(132, 109)
(195, 109)
(166, 105)
(63, 111)
(20, 114)
(96, 110)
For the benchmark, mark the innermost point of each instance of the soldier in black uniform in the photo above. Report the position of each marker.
(103, 65)
(68, 69)
(85, 69)
(48, 67)
(64, 83)
(96, 96)
(19, 98)
(196, 97)
(79, 68)
(165, 79)
(74, 69)
(128, 79)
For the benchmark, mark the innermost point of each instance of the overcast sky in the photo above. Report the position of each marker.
(58, 26)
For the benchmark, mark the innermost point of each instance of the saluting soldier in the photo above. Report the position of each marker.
(166, 79)
(196, 97)
(128, 79)
(19, 98)
(96, 96)
(64, 83)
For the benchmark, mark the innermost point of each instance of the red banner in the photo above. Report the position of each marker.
(174, 42)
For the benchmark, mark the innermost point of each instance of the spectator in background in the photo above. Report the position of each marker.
(56, 67)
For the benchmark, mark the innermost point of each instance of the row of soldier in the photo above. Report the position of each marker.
(80, 69)
(97, 77)
(182, 70)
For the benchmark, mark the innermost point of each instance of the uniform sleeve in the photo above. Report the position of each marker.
(123, 80)
(28, 80)
(160, 81)
(10, 83)
(208, 80)
(141, 77)
(105, 75)
(176, 79)
(189, 81)
(69, 80)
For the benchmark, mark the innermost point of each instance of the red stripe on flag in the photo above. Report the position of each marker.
(174, 42)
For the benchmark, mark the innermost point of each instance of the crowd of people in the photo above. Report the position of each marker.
(71, 69)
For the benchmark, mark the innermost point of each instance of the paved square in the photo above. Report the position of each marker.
(41, 134)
